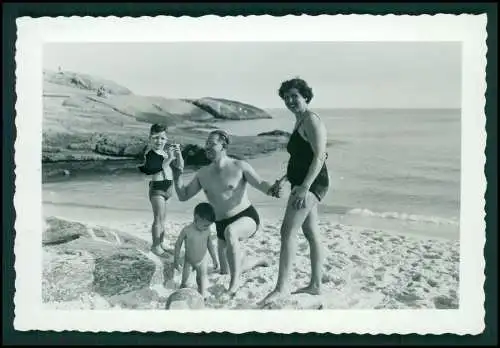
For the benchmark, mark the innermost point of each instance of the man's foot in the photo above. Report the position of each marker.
(274, 296)
(310, 289)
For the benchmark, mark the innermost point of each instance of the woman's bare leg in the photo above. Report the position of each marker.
(293, 220)
(311, 231)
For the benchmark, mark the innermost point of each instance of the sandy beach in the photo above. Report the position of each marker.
(363, 269)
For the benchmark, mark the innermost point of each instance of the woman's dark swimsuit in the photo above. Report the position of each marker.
(250, 212)
(301, 156)
(153, 165)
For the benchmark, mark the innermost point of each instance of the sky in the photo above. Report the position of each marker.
(341, 74)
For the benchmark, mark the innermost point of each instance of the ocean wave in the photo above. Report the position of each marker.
(404, 217)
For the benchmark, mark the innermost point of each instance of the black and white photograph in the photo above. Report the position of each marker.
(295, 173)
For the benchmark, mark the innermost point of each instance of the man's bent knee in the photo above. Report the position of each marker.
(230, 235)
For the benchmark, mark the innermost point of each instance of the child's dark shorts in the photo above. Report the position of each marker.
(161, 188)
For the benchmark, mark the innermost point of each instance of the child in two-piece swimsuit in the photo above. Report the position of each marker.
(158, 163)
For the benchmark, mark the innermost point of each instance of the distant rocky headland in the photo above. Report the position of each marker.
(89, 122)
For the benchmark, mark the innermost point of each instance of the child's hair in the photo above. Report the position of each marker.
(157, 128)
(205, 211)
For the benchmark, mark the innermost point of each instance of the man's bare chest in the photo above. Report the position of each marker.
(222, 181)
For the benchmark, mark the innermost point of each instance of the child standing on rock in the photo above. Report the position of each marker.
(158, 163)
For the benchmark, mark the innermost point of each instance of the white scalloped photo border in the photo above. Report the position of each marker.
(32, 33)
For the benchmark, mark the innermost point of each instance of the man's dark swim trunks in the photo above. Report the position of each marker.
(248, 212)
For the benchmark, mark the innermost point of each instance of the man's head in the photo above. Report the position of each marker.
(217, 143)
(204, 216)
(158, 136)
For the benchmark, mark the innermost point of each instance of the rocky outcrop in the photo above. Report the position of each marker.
(87, 119)
(97, 268)
(230, 109)
(194, 155)
(85, 82)
(276, 132)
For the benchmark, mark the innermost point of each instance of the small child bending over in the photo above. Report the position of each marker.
(196, 237)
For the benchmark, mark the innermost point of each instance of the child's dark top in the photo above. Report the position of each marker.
(153, 163)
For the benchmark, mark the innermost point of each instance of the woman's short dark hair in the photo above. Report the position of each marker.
(205, 211)
(300, 85)
(157, 128)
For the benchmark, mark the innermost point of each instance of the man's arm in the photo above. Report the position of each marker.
(254, 179)
(179, 160)
(186, 192)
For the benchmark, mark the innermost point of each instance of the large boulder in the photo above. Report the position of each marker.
(194, 155)
(96, 267)
(115, 145)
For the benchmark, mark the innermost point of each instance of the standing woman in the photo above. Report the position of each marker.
(309, 179)
(158, 164)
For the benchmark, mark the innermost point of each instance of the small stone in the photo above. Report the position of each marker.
(186, 298)
(432, 282)
(444, 302)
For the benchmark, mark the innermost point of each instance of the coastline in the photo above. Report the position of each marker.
(247, 147)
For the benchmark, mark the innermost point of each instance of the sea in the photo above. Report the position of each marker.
(390, 169)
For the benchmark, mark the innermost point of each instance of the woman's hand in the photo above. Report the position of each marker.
(299, 197)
